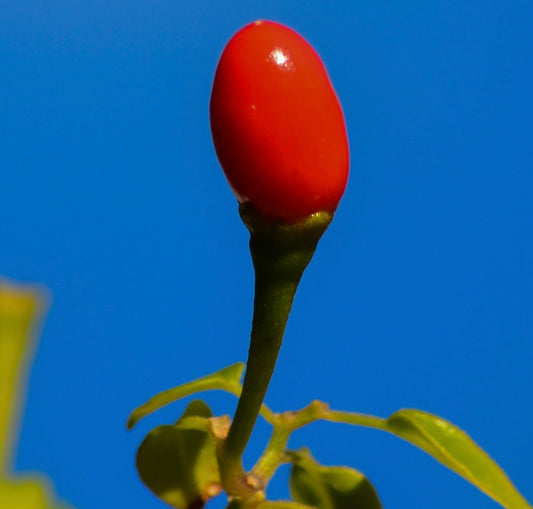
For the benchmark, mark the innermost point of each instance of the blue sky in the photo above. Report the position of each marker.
(420, 294)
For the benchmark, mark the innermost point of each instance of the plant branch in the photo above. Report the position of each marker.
(280, 254)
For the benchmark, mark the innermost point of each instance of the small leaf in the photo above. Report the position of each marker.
(329, 487)
(179, 465)
(455, 449)
(227, 379)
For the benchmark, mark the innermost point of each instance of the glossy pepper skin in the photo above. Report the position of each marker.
(277, 125)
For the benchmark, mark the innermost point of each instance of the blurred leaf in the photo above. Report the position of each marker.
(329, 487)
(179, 465)
(269, 504)
(19, 310)
(455, 449)
(27, 493)
(227, 379)
(282, 504)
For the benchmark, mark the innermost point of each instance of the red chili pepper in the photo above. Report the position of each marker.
(277, 125)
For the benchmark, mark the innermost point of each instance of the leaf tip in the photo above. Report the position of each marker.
(132, 421)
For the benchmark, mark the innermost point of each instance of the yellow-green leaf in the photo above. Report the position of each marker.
(19, 310)
(282, 504)
(28, 493)
(227, 379)
(455, 449)
(326, 487)
(178, 463)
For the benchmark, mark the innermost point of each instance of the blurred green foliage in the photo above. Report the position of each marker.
(21, 309)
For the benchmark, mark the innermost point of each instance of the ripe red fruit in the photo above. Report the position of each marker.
(277, 125)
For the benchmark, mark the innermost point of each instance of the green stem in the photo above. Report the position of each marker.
(272, 305)
(274, 454)
(368, 421)
(286, 423)
(280, 254)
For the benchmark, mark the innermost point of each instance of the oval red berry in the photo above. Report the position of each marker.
(277, 125)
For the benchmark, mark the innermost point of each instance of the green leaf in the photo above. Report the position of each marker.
(20, 309)
(448, 444)
(329, 487)
(269, 504)
(282, 504)
(455, 449)
(27, 493)
(227, 379)
(178, 462)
